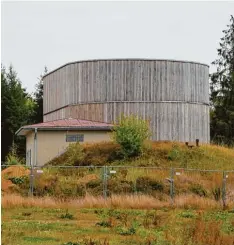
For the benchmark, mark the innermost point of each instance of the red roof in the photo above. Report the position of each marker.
(69, 123)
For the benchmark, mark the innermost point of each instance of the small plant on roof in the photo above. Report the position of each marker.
(130, 133)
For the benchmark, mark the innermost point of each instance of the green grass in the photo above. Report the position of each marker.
(161, 154)
(44, 225)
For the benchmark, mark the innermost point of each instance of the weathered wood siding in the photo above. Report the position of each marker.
(173, 95)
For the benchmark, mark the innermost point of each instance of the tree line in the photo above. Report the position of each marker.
(21, 108)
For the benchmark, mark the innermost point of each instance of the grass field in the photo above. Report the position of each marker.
(73, 226)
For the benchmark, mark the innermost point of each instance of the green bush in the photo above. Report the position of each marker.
(131, 133)
(174, 153)
(18, 180)
(75, 154)
(12, 158)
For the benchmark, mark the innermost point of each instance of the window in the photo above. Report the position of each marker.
(74, 138)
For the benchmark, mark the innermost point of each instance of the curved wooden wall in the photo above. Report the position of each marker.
(173, 95)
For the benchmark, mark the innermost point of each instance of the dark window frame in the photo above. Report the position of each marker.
(74, 137)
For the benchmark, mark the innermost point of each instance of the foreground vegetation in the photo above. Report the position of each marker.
(73, 226)
(69, 209)
(70, 183)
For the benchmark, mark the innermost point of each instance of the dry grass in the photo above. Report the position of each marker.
(116, 201)
(204, 233)
(196, 202)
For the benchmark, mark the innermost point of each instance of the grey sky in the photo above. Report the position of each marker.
(35, 34)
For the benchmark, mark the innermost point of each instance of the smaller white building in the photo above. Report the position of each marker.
(47, 140)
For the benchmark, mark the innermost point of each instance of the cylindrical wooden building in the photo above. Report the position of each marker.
(173, 95)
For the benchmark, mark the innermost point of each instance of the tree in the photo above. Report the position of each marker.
(38, 97)
(130, 133)
(18, 109)
(222, 90)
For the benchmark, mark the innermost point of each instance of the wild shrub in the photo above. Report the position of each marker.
(102, 153)
(67, 215)
(18, 180)
(70, 190)
(94, 183)
(103, 224)
(126, 231)
(116, 186)
(198, 190)
(95, 187)
(130, 133)
(75, 154)
(217, 193)
(174, 153)
(45, 184)
(146, 184)
(12, 158)
(151, 219)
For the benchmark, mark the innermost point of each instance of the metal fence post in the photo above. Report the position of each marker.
(172, 186)
(104, 182)
(31, 180)
(224, 189)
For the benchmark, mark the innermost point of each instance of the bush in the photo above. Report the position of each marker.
(104, 224)
(18, 180)
(67, 215)
(126, 231)
(116, 186)
(198, 190)
(12, 158)
(75, 154)
(130, 134)
(146, 184)
(94, 183)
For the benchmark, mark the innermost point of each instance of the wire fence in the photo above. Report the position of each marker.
(160, 183)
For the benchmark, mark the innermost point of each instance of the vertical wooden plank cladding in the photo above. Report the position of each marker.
(174, 95)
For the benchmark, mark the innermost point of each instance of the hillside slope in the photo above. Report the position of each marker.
(160, 154)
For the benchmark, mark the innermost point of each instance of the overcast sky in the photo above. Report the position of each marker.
(35, 34)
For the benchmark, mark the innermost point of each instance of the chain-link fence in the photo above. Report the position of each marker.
(163, 184)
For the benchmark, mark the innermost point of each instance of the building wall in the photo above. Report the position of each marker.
(173, 121)
(169, 93)
(52, 143)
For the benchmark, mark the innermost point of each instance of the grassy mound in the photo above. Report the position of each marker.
(160, 154)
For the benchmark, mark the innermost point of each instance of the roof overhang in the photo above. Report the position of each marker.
(23, 131)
